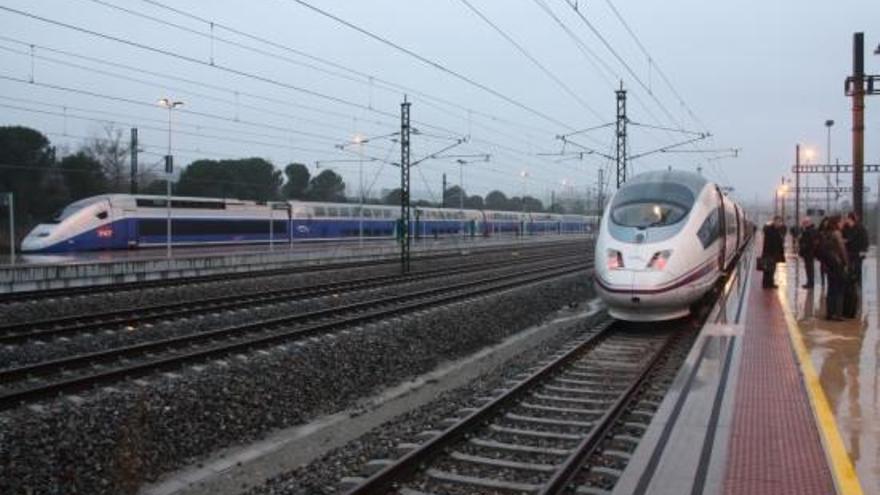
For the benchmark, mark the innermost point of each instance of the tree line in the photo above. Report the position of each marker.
(43, 182)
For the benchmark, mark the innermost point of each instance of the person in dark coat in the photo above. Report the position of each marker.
(834, 254)
(823, 270)
(773, 250)
(856, 238)
(807, 244)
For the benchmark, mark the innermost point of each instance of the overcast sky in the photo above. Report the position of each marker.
(760, 76)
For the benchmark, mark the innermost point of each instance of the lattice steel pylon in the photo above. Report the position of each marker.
(405, 240)
(621, 135)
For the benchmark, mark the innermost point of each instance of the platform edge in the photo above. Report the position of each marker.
(844, 474)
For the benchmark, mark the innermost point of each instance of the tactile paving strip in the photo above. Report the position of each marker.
(775, 446)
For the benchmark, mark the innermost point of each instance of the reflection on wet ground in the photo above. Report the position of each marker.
(845, 355)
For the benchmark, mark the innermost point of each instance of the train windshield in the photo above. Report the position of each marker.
(651, 204)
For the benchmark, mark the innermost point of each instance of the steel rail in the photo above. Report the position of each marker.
(18, 333)
(356, 313)
(317, 268)
(389, 478)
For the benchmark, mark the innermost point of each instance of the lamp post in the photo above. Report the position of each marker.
(525, 175)
(828, 124)
(169, 170)
(783, 189)
(808, 154)
(359, 140)
(461, 196)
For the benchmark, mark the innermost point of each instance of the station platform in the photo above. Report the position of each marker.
(748, 414)
(40, 272)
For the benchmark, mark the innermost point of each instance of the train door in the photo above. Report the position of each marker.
(104, 228)
(128, 225)
(722, 227)
(738, 227)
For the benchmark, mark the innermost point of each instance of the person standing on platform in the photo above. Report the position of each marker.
(856, 238)
(832, 251)
(773, 250)
(823, 270)
(807, 243)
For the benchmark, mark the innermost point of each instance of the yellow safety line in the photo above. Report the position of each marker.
(845, 478)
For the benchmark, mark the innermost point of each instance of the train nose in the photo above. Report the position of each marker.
(37, 239)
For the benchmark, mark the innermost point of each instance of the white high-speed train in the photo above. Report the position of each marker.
(665, 240)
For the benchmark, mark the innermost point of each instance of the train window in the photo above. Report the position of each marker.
(319, 211)
(179, 203)
(102, 215)
(650, 214)
(650, 204)
(387, 213)
(332, 211)
(345, 212)
(711, 229)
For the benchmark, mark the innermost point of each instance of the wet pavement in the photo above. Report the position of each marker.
(845, 355)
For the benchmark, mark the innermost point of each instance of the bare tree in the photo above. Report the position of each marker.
(112, 152)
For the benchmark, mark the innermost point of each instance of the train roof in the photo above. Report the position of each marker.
(693, 181)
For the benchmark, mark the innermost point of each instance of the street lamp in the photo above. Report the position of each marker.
(525, 175)
(783, 189)
(828, 124)
(359, 140)
(169, 170)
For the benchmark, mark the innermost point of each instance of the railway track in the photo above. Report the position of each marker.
(76, 373)
(158, 283)
(545, 433)
(21, 333)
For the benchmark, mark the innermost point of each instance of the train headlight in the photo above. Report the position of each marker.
(659, 260)
(614, 259)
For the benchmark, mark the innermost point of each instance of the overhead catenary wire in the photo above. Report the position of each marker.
(432, 63)
(135, 44)
(655, 65)
(193, 60)
(313, 136)
(177, 90)
(273, 100)
(622, 62)
(593, 58)
(161, 129)
(372, 80)
(521, 49)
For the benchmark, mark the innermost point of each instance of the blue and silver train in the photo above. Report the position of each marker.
(123, 221)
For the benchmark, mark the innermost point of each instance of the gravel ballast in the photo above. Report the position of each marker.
(113, 440)
(323, 475)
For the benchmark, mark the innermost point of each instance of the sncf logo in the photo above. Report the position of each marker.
(105, 232)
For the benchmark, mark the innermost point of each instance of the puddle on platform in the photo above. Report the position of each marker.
(845, 355)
